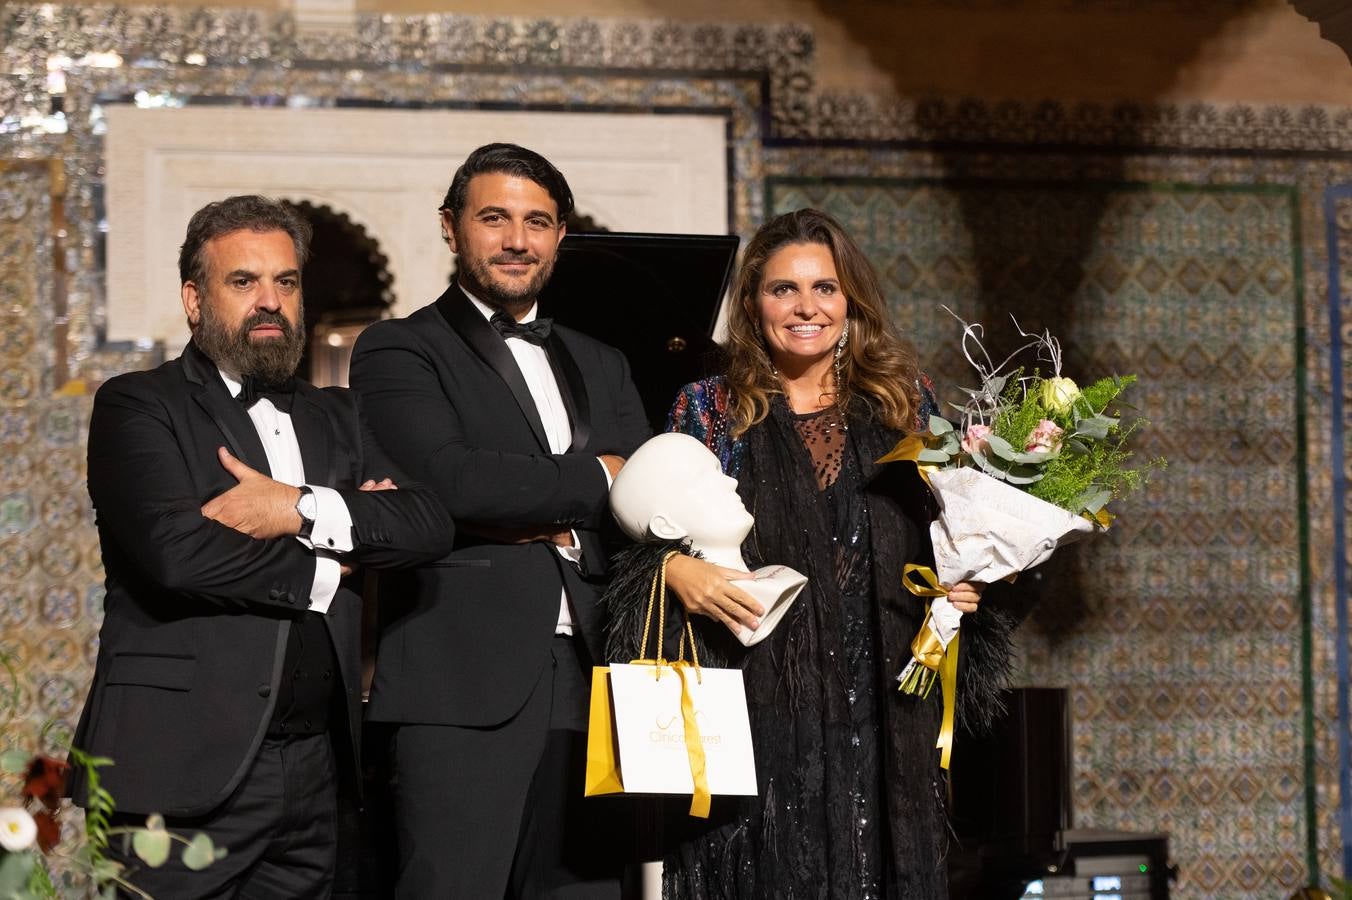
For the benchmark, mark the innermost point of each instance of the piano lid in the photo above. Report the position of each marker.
(653, 296)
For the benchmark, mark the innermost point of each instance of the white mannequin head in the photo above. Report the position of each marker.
(673, 488)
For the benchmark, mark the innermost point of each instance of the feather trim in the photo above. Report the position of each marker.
(626, 603)
(985, 667)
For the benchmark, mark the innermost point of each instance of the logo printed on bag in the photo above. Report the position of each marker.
(664, 735)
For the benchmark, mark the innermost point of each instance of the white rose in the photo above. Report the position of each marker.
(17, 829)
(1058, 394)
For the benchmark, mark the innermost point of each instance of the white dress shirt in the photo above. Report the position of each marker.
(533, 362)
(332, 532)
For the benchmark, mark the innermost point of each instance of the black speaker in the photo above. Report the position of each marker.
(1011, 788)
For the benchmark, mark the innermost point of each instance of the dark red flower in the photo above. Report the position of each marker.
(49, 830)
(46, 781)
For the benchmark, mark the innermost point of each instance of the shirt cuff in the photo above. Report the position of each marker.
(327, 574)
(605, 468)
(573, 553)
(333, 523)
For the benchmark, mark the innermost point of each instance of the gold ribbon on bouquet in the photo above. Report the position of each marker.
(694, 746)
(908, 450)
(929, 652)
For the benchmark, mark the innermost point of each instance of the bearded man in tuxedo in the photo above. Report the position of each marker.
(232, 502)
(485, 657)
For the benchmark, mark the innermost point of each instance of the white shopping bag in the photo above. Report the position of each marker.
(668, 727)
(651, 728)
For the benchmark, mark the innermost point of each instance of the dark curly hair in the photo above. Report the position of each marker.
(246, 211)
(508, 159)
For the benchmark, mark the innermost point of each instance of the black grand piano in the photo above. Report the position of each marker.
(654, 296)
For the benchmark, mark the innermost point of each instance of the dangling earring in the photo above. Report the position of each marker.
(840, 350)
(836, 364)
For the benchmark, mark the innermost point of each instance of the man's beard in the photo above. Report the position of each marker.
(477, 277)
(271, 359)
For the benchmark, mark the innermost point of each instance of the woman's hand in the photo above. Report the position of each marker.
(707, 590)
(965, 596)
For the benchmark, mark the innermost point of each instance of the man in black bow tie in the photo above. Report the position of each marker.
(232, 501)
(485, 659)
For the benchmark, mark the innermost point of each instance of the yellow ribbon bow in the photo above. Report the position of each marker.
(929, 652)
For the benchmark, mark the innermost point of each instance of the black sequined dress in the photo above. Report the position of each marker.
(837, 471)
(816, 688)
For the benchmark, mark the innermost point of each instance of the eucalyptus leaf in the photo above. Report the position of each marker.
(1094, 499)
(15, 868)
(199, 853)
(1071, 445)
(939, 426)
(15, 761)
(152, 845)
(1001, 447)
(950, 443)
(103, 869)
(1095, 427)
(1023, 475)
(1036, 457)
(930, 455)
(986, 466)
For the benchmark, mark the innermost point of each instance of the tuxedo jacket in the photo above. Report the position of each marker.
(197, 615)
(463, 640)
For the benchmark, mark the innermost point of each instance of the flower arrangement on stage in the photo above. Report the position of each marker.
(1030, 465)
(30, 831)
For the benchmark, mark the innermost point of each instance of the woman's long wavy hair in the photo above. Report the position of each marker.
(878, 371)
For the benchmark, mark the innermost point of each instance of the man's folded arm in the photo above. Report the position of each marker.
(146, 502)
(418, 425)
(395, 528)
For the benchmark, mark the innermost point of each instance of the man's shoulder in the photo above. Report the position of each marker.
(144, 382)
(331, 395)
(415, 327)
(577, 341)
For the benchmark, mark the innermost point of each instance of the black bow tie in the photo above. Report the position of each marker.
(535, 332)
(254, 389)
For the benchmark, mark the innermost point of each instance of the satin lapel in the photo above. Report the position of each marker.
(241, 438)
(573, 389)
(314, 433)
(465, 321)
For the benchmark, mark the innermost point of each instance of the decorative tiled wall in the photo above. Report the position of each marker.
(1205, 638)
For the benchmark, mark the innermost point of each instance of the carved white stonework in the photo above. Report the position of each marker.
(322, 18)
(388, 170)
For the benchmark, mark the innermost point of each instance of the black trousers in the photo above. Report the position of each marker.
(488, 813)
(279, 826)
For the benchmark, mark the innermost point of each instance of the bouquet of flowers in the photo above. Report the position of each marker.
(1030, 466)
(30, 829)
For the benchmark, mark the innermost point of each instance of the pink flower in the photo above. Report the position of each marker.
(975, 439)
(1045, 438)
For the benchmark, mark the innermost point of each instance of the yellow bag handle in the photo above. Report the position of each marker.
(657, 597)
(694, 747)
